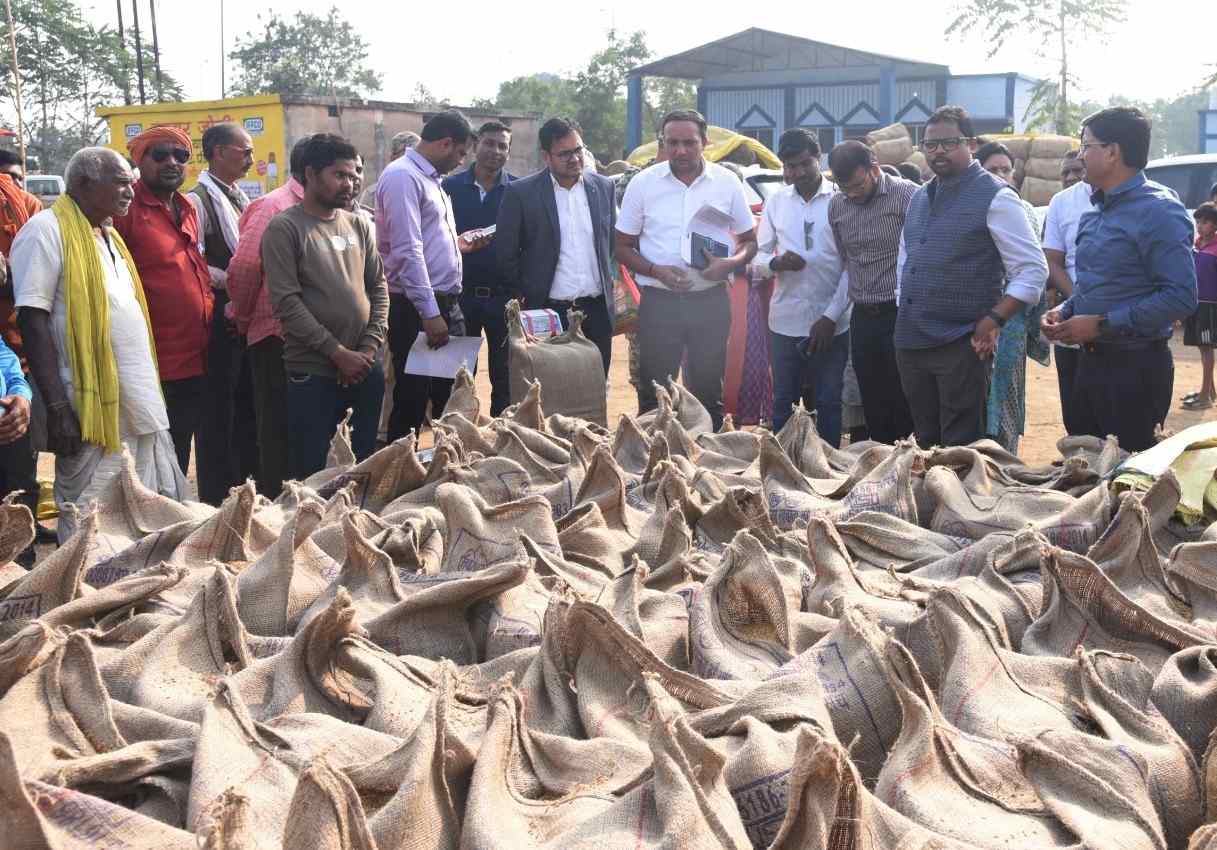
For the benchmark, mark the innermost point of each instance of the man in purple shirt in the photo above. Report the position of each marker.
(421, 251)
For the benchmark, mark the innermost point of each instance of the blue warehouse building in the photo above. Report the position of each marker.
(760, 83)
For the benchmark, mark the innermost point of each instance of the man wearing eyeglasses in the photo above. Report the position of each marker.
(1135, 278)
(229, 432)
(553, 240)
(161, 230)
(965, 234)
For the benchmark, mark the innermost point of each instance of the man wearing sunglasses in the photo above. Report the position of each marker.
(554, 236)
(969, 260)
(161, 229)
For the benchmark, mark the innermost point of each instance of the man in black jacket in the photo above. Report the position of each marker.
(554, 236)
(476, 195)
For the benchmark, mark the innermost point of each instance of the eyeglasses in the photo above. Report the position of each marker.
(944, 145)
(180, 155)
(570, 155)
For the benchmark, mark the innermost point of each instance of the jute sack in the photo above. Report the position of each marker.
(893, 151)
(480, 535)
(830, 807)
(885, 134)
(1048, 146)
(511, 619)
(568, 366)
(809, 453)
(264, 761)
(849, 665)
(1071, 523)
(743, 622)
(1039, 192)
(1189, 571)
(382, 477)
(464, 399)
(739, 509)
(528, 411)
(758, 736)
(274, 591)
(585, 578)
(659, 619)
(1128, 557)
(173, 668)
(1083, 608)
(478, 438)
(882, 541)
(1204, 838)
(1185, 691)
(309, 674)
(734, 452)
(38, 816)
(495, 479)
(586, 538)
(1044, 168)
(16, 529)
(26, 651)
(970, 788)
(541, 470)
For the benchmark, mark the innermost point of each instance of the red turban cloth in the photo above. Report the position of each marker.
(140, 144)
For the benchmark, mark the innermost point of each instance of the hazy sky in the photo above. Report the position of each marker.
(1161, 50)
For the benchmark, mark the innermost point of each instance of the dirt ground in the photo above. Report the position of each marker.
(1043, 401)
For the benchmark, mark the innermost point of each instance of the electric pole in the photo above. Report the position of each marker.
(156, 53)
(139, 50)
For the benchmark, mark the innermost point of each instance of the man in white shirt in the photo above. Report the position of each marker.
(553, 235)
(1060, 249)
(809, 311)
(685, 313)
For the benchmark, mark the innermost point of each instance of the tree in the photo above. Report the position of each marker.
(548, 94)
(666, 94)
(310, 54)
(67, 67)
(1052, 25)
(598, 92)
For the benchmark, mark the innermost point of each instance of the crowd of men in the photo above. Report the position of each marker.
(166, 323)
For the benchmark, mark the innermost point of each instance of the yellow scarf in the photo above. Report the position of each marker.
(87, 307)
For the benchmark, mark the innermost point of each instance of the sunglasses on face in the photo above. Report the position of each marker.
(180, 155)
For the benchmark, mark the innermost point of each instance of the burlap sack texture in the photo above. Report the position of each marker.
(554, 635)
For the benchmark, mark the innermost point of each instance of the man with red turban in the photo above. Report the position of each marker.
(161, 230)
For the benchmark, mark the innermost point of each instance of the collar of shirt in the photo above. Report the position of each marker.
(468, 176)
(1105, 199)
(558, 185)
(422, 164)
(143, 195)
(827, 187)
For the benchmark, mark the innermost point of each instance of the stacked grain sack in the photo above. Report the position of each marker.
(553, 636)
(1037, 163)
(893, 146)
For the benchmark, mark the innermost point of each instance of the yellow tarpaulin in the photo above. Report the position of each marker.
(722, 143)
(1192, 456)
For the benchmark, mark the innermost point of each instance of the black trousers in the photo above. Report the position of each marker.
(269, 379)
(19, 471)
(1066, 375)
(689, 325)
(1125, 392)
(228, 433)
(483, 310)
(947, 388)
(185, 402)
(412, 392)
(597, 325)
(873, 348)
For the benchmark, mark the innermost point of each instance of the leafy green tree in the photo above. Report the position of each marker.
(1052, 26)
(548, 94)
(599, 92)
(309, 54)
(665, 94)
(67, 67)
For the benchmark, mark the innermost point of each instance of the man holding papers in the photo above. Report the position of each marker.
(809, 312)
(684, 312)
(329, 293)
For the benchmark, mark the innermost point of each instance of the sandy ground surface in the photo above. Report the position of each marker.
(1043, 402)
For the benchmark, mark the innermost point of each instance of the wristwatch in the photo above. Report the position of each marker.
(997, 318)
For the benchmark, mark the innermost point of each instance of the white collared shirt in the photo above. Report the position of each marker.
(576, 275)
(1061, 225)
(820, 288)
(657, 208)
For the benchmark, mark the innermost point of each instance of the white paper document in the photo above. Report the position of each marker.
(443, 362)
(711, 223)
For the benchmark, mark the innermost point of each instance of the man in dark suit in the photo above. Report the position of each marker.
(554, 237)
(476, 194)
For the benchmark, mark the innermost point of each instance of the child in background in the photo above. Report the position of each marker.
(1201, 329)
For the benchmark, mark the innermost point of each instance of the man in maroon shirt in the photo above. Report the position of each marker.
(162, 232)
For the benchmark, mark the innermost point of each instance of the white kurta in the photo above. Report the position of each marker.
(37, 263)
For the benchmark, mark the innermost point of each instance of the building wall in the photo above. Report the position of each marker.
(983, 96)
(371, 129)
(1208, 131)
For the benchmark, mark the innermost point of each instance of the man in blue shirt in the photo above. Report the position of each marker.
(1135, 279)
(476, 195)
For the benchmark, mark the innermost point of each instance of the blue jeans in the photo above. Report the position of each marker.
(827, 370)
(315, 406)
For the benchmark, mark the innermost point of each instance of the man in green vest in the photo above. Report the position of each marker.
(229, 431)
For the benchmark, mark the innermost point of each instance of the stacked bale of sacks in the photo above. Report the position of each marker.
(1037, 163)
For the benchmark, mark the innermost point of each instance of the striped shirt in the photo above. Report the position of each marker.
(868, 237)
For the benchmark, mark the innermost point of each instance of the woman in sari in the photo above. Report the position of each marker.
(1006, 411)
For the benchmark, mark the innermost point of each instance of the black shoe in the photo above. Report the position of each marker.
(42, 534)
(26, 558)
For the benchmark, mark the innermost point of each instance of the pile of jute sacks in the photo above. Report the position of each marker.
(1037, 157)
(552, 635)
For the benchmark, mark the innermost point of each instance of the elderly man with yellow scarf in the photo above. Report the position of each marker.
(89, 345)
